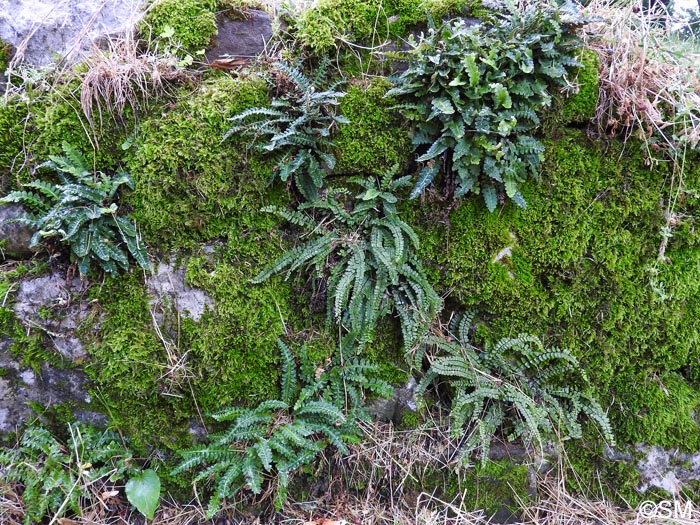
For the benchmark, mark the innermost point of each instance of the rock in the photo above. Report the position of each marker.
(669, 470)
(20, 386)
(16, 236)
(55, 306)
(41, 29)
(241, 38)
(168, 287)
(403, 399)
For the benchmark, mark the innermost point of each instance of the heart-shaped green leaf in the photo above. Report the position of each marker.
(143, 492)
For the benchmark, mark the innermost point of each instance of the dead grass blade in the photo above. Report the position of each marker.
(122, 76)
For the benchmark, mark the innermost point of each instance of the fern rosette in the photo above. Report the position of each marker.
(81, 212)
(296, 128)
(319, 406)
(516, 387)
(474, 91)
(367, 254)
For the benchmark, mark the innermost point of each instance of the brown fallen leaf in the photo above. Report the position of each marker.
(66, 521)
(109, 494)
(325, 521)
(228, 63)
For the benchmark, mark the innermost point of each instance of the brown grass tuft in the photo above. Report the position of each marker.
(121, 76)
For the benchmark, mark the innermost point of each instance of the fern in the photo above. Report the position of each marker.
(52, 472)
(297, 129)
(474, 92)
(375, 269)
(80, 212)
(517, 386)
(280, 436)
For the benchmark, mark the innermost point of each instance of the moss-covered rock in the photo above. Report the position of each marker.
(56, 116)
(13, 122)
(376, 137)
(580, 267)
(193, 22)
(579, 107)
(191, 186)
(369, 22)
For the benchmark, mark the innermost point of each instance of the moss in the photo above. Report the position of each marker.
(497, 488)
(579, 107)
(386, 352)
(191, 187)
(362, 21)
(234, 346)
(579, 273)
(57, 117)
(126, 365)
(657, 408)
(193, 21)
(13, 120)
(375, 138)
(6, 53)
(595, 475)
(30, 346)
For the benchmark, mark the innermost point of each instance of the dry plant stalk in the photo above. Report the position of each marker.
(122, 75)
(649, 81)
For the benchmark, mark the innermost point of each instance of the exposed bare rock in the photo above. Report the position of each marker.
(20, 386)
(246, 37)
(168, 288)
(55, 306)
(42, 29)
(670, 470)
(16, 236)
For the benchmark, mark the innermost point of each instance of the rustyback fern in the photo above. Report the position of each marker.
(297, 128)
(367, 254)
(475, 90)
(55, 476)
(80, 210)
(517, 387)
(319, 406)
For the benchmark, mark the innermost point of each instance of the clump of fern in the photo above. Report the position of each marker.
(55, 476)
(368, 256)
(297, 128)
(474, 91)
(517, 387)
(81, 211)
(318, 407)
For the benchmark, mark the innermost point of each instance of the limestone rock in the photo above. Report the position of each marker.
(56, 306)
(16, 236)
(20, 386)
(669, 470)
(42, 29)
(167, 287)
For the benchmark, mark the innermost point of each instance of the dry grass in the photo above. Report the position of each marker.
(121, 75)
(650, 90)
(378, 483)
(650, 81)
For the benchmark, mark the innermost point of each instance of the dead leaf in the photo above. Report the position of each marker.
(109, 494)
(325, 521)
(228, 63)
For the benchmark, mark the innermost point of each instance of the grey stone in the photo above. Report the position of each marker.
(16, 236)
(670, 470)
(20, 386)
(41, 30)
(167, 287)
(241, 38)
(55, 306)
(393, 409)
